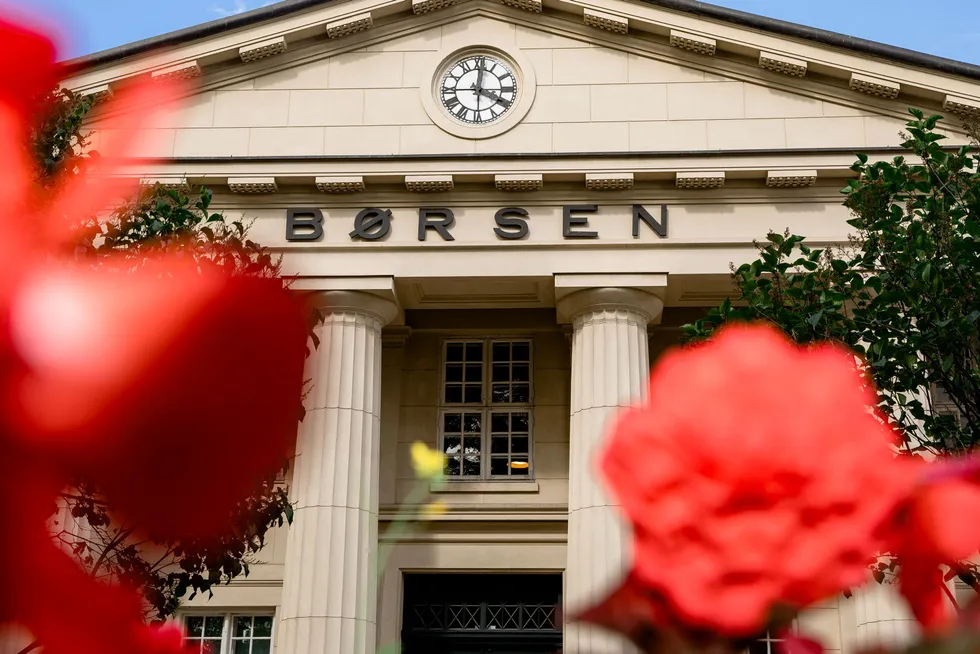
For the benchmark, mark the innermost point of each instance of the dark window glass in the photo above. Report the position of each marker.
(454, 394)
(473, 395)
(454, 352)
(263, 626)
(195, 626)
(474, 352)
(213, 626)
(474, 372)
(454, 372)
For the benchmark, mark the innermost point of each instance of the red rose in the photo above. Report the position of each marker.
(758, 474)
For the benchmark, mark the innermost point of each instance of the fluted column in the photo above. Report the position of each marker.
(610, 371)
(329, 588)
(882, 617)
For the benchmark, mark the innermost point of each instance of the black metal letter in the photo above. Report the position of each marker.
(442, 225)
(568, 220)
(639, 213)
(504, 218)
(367, 220)
(307, 219)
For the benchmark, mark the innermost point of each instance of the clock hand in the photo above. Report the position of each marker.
(479, 77)
(493, 96)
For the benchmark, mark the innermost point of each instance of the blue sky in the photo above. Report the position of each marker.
(89, 25)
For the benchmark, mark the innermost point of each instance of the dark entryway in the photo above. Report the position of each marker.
(481, 614)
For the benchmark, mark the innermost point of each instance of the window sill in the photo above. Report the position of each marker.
(527, 487)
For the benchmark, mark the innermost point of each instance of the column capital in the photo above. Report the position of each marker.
(640, 292)
(592, 299)
(329, 302)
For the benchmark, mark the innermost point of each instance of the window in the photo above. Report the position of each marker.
(765, 645)
(228, 634)
(485, 423)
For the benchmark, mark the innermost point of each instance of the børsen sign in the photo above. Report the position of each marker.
(511, 223)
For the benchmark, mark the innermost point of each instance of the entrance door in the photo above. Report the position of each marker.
(481, 614)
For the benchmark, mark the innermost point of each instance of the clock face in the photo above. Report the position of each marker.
(478, 89)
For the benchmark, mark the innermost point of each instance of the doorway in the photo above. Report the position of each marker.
(482, 614)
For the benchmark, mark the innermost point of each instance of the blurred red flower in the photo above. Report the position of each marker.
(938, 525)
(758, 475)
(171, 388)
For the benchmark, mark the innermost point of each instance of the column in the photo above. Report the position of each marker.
(329, 603)
(610, 371)
(882, 617)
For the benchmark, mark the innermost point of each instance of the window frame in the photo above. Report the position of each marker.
(227, 626)
(486, 408)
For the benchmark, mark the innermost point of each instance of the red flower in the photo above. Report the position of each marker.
(171, 389)
(757, 475)
(938, 525)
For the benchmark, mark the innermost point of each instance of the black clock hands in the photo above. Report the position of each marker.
(493, 96)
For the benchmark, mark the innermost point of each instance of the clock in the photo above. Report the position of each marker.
(478, 89)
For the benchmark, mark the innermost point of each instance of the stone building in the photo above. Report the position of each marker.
(508, 209)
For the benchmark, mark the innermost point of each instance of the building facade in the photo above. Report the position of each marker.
(506, 210)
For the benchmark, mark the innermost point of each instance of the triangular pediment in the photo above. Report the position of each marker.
(594, 91)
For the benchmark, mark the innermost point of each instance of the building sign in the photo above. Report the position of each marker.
(511, 223)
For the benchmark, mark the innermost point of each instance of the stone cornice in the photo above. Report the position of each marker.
(303, 32)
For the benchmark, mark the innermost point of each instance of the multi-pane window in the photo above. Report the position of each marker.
(765, 645)
(228, 634)
(486, 417)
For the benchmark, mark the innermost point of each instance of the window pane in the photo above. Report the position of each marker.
(451, 423)
(501, 393)
(471, 456)
(213, 625)
(194, 626)
(501, 372)
(501, 351)
(521, 352)
(521, 393)
(211, 647)
(519, 422)
(498, 445)
(474, 372)
(241, 646)
(472, 424)
(454, 394)
(452, 445)
(243, 626)
(518, 444)
(474, 393)
(474, 352)
(471, 466)
(452, 467)
(454, 352)
(263, 626)
(498, 466)
(759, 647)
(521, 372)
(499, 422)
(261, 646)
(454, 372)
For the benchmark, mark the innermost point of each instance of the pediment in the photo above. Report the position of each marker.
(595, 91)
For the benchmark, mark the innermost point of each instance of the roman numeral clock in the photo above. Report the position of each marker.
(480, 91)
